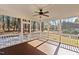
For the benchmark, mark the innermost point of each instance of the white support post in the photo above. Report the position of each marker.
(60, 30)
(48, 31)
(21, 29)
(40, 29)
(30, 26)
(30, 30)
(35, 26)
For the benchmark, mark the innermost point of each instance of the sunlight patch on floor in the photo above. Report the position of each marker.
(35, 43)
(47, 48)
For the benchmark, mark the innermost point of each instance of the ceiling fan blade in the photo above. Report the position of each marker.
(46, 15)
(46, 12)
(35, 14)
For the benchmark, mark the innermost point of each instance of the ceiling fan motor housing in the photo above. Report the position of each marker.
(41, 13)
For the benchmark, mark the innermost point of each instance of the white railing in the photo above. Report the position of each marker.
(7, 40)
(35, 35)
(44, 35)
(72, 36)
(11, 39)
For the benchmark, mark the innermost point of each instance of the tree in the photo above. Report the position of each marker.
(76, 20)
(8, 23)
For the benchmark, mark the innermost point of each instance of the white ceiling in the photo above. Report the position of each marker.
(58, 11)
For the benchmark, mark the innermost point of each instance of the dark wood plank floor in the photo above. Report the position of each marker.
(21, 49)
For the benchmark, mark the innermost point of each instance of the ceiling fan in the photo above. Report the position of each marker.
(41, 13)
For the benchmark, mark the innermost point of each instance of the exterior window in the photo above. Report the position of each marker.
(70, 25)
(10, 24)
(18, 24)
(38, 26)
(54, 25)
(44, 26)
(1, 24)
(33, 26)
(26, 28)
(6, 23)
